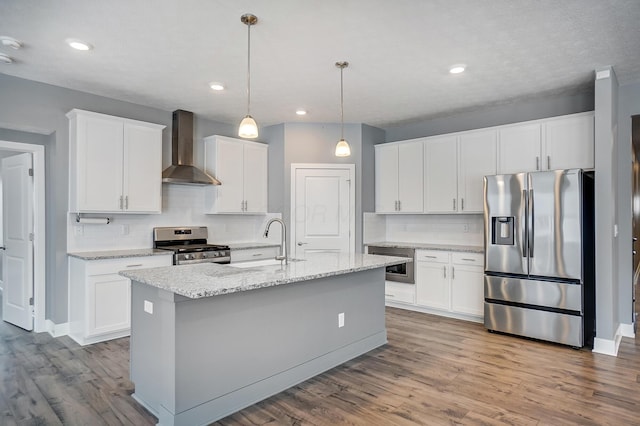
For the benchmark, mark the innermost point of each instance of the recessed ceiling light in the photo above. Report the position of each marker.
(457, 69)
(216, 86)
(78, 44)
(6, 59)
(301, 112)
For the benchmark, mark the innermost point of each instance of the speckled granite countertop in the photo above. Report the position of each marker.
(209, 279)
(119, 254)
(247, 246)
(421, 246)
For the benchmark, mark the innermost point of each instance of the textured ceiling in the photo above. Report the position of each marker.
(163, 53)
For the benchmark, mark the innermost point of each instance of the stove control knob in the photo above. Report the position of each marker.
(187, 256)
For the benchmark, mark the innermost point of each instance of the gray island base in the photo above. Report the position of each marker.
(195, 360)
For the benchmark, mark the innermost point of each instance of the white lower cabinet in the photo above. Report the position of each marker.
(450, 283)
(399, 292)
(100, 298)
(249, 254)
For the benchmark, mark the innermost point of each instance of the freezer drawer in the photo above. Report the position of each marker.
(543, 325)
(532, 292)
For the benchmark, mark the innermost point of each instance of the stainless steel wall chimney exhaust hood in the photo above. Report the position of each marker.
(182, 171)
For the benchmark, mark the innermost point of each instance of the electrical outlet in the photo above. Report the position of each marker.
(341, 320)
(466, 227)
(148, 307)
(124, 229)
(78, 230)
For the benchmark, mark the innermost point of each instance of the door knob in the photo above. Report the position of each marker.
(301, 244)
(635, 238)
(634, 252)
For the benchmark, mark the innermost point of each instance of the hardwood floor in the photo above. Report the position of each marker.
(433, 371)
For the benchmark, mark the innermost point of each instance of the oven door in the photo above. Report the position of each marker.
(404, 272)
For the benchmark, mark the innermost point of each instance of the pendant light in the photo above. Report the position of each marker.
(342, 147)
(248, 127)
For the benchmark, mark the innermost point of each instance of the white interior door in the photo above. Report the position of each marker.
(17, 229)
(322, 208)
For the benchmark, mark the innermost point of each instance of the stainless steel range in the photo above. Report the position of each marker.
(189, 245)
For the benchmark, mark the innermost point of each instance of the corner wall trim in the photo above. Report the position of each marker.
(610, 347)
(57, 330)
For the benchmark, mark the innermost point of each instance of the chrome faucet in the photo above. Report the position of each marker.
(283, 239)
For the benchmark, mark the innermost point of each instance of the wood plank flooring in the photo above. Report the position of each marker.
(433, 371)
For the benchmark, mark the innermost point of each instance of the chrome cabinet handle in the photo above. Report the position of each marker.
(121, 202)
(135, 265)
(462, 204)
(444, 271)
(467, 259)
(431, 257)
(548, 162)
(537, 163)
(453, 273)
(399, 205)
(454, 204)
(126, 202)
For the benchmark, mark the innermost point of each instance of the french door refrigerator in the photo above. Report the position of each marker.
(539, 255)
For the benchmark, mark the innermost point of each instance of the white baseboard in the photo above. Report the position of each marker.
(610, 347)
(57, 330)
(626, 330)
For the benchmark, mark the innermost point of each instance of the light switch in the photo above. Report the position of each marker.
(148, 307)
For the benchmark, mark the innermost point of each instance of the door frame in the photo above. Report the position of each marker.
(352, 198)
(39, 230)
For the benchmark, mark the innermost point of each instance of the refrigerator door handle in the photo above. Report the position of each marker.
(531, 230)
(525, 225)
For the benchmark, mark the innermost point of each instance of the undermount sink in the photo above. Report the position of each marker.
(258, 263)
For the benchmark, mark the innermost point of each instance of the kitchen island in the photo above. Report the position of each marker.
(208, 340)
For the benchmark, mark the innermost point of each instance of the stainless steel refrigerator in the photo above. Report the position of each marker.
(539, 255)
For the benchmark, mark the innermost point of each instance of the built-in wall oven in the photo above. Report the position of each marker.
(404, 272)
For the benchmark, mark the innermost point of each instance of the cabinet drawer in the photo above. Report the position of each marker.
(244, 255)
(400, 292)
(432, 256)
(112, 266)
(467, 259)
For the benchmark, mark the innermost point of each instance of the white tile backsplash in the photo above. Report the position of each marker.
(183, 205)
(425, 228)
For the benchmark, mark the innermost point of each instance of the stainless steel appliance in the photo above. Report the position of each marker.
(189, 245)
(539, 255)
(403, 273)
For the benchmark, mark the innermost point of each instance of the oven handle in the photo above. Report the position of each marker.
(219, 260)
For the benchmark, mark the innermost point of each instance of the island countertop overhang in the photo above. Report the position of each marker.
(210, 279)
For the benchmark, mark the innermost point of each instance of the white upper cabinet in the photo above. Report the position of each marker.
(115, 164)
(399, 178)
(550, 144)
(441, 178)
(569, 142)
(476, 159)
(454, 168)
(519, 148)
(241, 167)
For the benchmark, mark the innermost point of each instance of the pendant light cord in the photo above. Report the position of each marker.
(341, 104)
(249, 70)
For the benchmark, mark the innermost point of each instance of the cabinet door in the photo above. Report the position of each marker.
(229, 169)
(569, 143)
(410, 177)
(142, 179)
(255, 178)
(440, 162)
(386, 178)
(467, 290)
(476, 159)
(519, 148)
(108, 304)
(99, 164)
(432, 285)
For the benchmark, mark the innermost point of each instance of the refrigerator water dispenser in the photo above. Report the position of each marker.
(502, 230)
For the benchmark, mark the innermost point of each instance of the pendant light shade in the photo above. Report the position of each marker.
(342, 147)
(248, 127)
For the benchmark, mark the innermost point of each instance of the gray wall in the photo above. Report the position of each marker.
(628, 106)
(28, 106)
(513, 112)
(371, 136)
